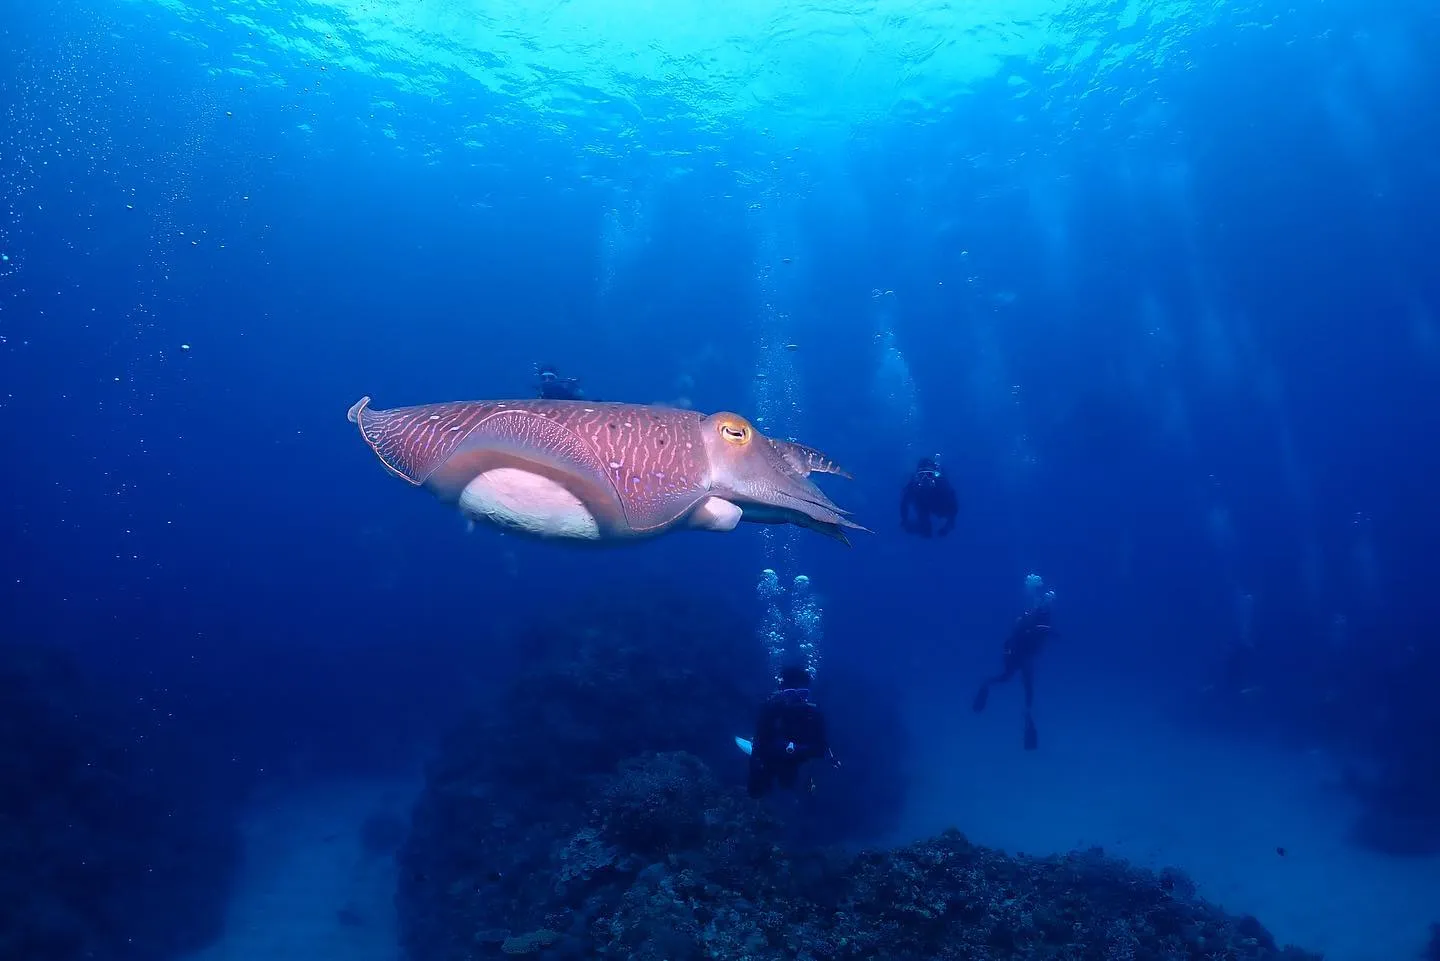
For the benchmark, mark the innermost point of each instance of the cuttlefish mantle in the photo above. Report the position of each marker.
(601, 472)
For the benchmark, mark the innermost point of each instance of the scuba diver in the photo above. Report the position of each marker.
(789, 731)
(554, 387)
(928, 493)
(1021, 647)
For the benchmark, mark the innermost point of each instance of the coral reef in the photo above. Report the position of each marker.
(571, 821)
(664, 864)
(110, 848)
(531, 942)
(656, 805)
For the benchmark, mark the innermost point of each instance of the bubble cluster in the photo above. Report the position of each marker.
(772, 618)
(118, 163)
(1033, 585)
(791, 621)
(624, 233)
(1036, 593)
(893, 388)
(807, 620)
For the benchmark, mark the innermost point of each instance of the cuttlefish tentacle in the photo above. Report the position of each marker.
(823, 512)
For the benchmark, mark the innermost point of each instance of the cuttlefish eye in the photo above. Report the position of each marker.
(736, 431)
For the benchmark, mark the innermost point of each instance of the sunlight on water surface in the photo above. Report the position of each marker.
(790, 68)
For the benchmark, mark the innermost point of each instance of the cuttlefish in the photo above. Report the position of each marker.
(601, 472)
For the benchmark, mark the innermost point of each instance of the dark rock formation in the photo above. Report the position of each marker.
(596, 811)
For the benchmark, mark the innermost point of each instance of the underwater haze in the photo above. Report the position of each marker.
(1154, 280)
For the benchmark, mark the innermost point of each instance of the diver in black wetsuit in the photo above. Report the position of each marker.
(789, 731)
(1021, 647)
(554, 387)
(928, 493)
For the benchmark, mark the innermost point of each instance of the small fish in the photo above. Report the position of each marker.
(1280, 851)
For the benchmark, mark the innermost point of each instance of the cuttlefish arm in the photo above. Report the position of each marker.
(796, 501)
(808, 460)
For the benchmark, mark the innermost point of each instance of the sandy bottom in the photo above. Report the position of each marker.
(309, 890)
(1133, 784)
(1123, 780)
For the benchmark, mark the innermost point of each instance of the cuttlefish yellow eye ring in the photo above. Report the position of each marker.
(735, 431)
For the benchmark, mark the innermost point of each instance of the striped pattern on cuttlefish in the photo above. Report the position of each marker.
(601, 472)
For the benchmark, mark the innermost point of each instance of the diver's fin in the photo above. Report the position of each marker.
(982, 697)
(1032, 739)
(743, 745)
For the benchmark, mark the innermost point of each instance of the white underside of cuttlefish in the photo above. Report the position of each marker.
(520, 500)
(530, 503)
(594, 472)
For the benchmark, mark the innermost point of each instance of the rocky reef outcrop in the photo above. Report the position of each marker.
(595, 810)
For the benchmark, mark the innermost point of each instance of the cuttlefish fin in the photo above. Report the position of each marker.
(413, 442)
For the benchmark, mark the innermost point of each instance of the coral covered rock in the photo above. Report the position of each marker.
(665, 864)
(616, 677)
(601, 802)
(657, 805)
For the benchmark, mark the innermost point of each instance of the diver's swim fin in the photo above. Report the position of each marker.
(982, 697)
(1032, 739)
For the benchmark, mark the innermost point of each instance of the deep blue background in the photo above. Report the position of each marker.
(1195, 279)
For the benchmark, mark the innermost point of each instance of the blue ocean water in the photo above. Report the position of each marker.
(1155, 279)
